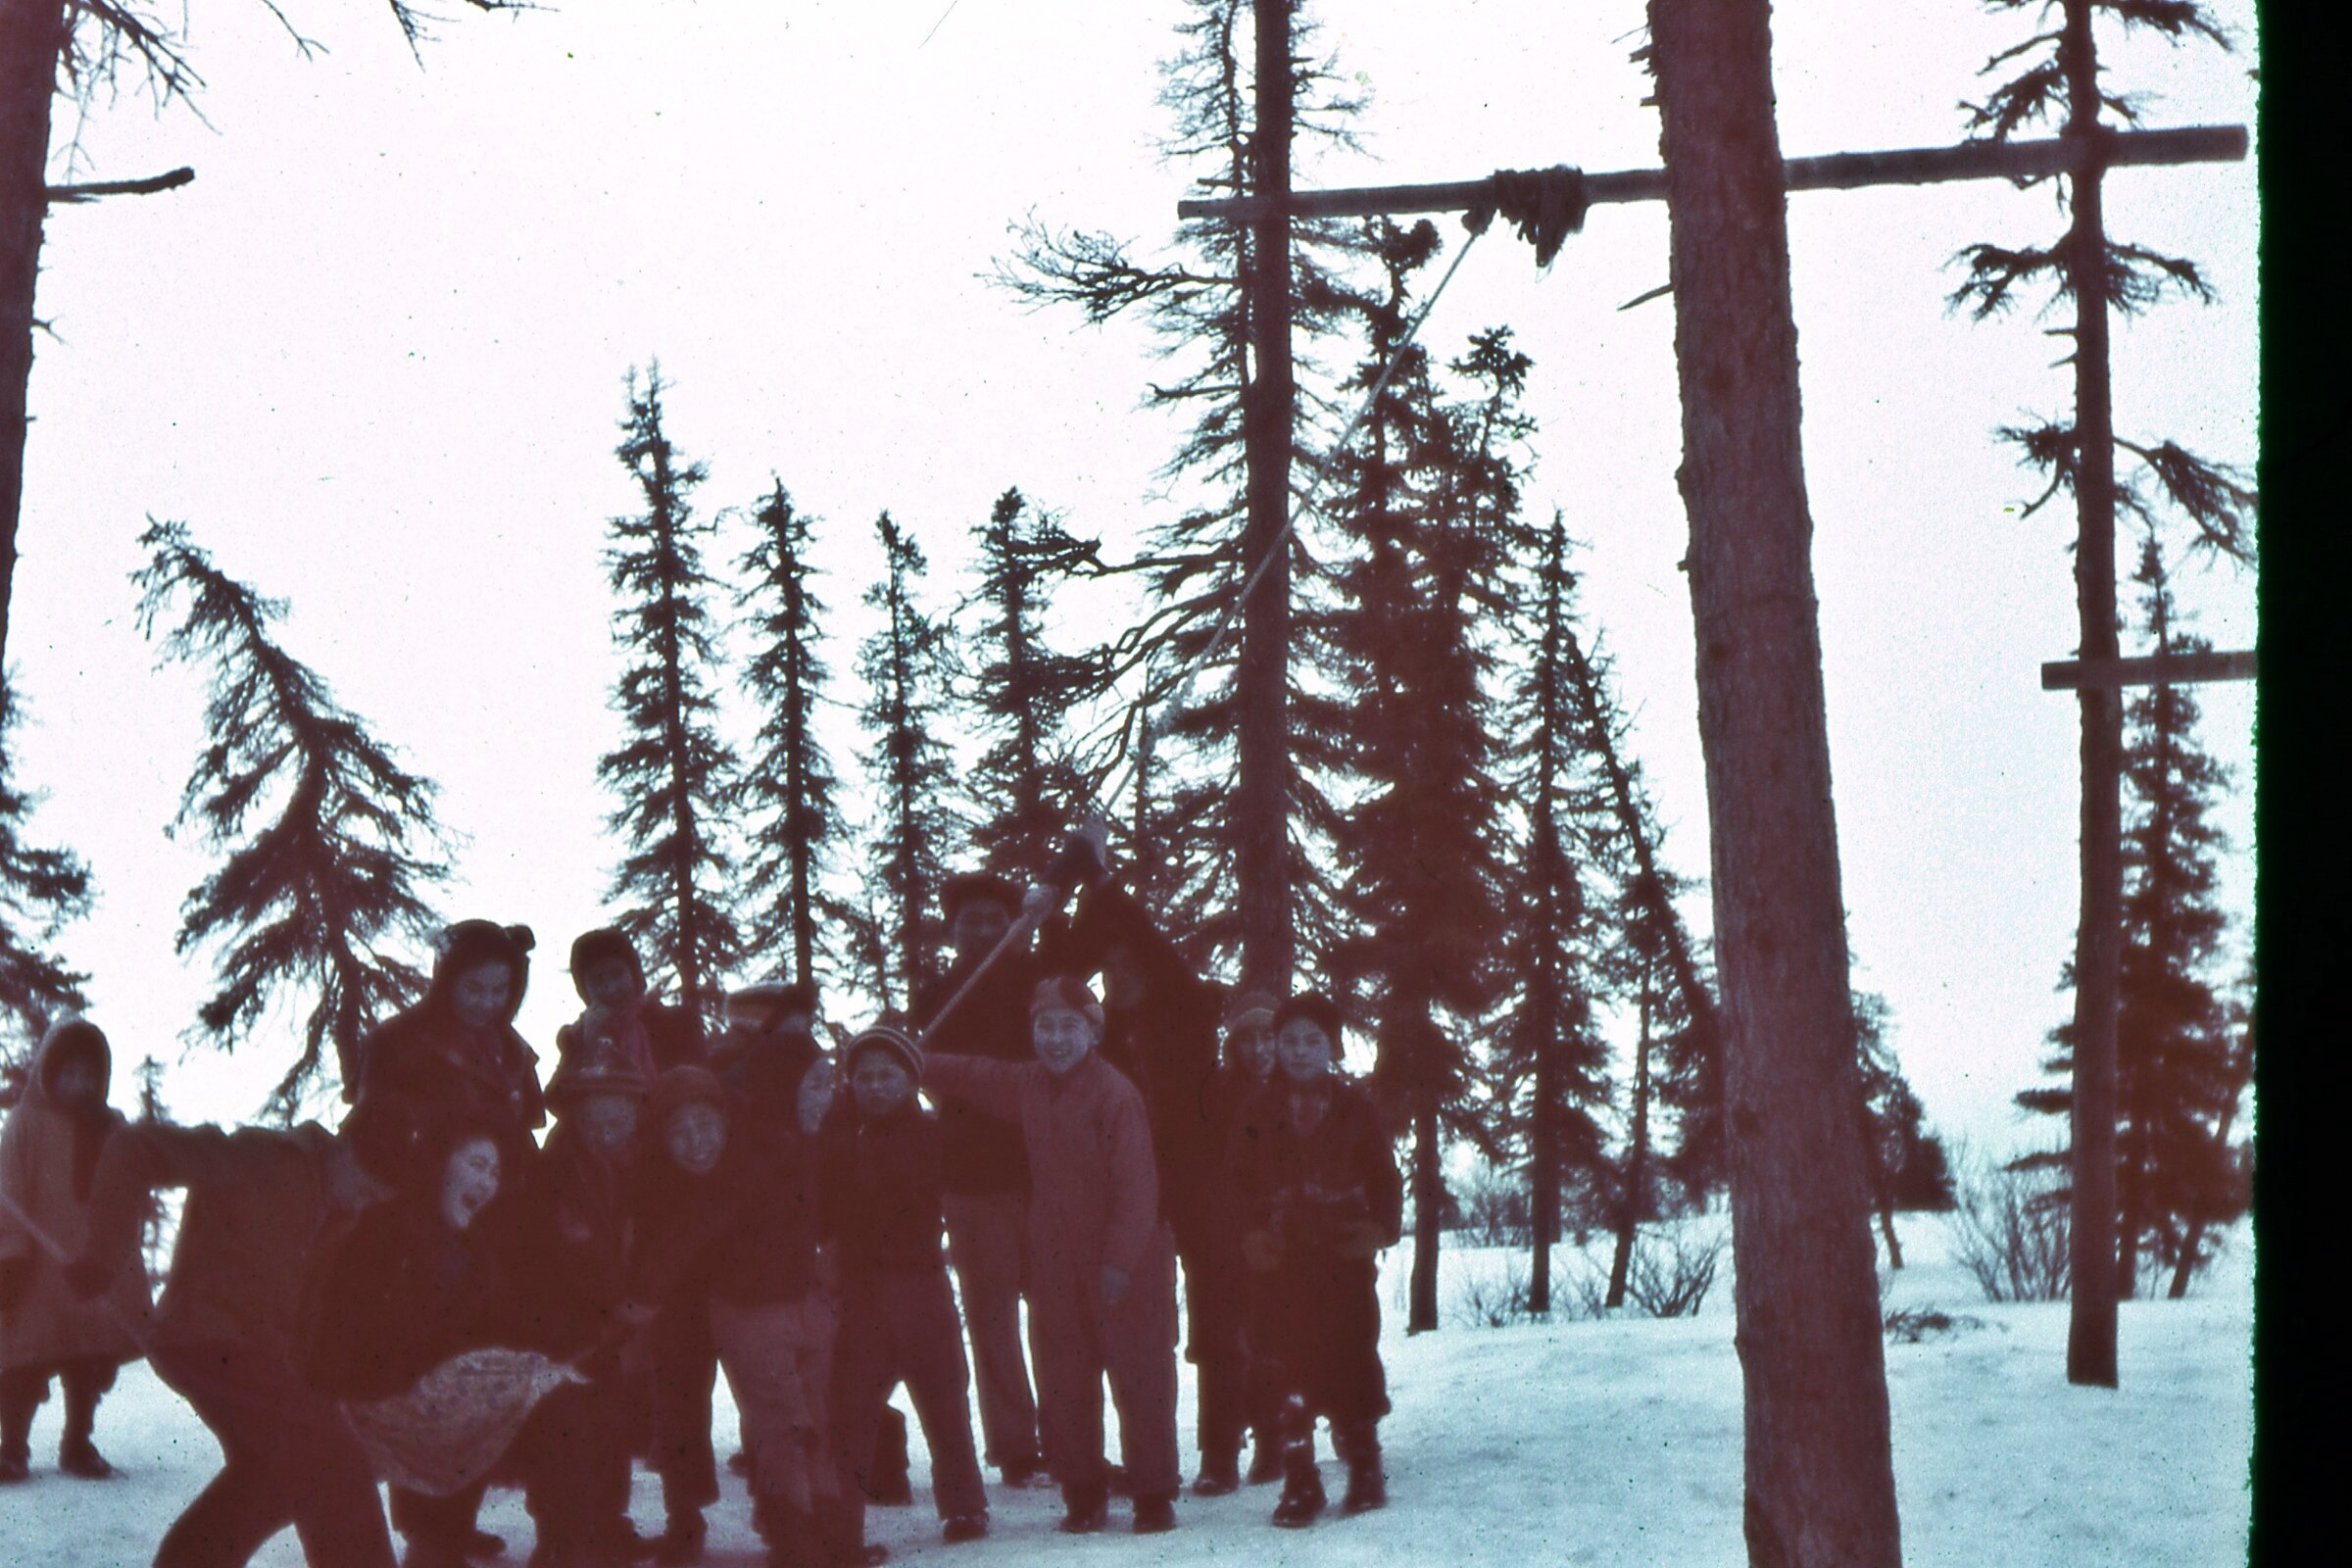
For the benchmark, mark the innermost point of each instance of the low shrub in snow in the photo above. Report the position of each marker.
(2010, 1232)
(1911, 1324)
(1673, 1266)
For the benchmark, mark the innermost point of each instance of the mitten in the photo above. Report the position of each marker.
(1359, 1238)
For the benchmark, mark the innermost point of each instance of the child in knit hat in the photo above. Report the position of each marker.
(882, 1192)
(1102, 1263)
(1320, 1196)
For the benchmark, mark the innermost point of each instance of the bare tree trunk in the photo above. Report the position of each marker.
(1635, 1184)
(1429, 1194)
(2099, 933)
(1881, 1181)
(1820, 1476)
(32, 34)
(1263, 790)
(1543, 1173)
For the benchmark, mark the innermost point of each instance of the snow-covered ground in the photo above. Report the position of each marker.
(1581, 1442)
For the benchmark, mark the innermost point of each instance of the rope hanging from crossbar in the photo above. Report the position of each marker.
(1546, 206)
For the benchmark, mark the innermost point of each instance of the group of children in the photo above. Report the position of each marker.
(757, 1204)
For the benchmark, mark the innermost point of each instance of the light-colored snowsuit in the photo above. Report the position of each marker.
(1093, 1201)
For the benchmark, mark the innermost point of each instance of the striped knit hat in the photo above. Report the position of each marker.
(1068, 991)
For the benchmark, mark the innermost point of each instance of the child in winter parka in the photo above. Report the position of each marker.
(1320, 1196)
(1103, 1265)
(731, 1211)
(48, 1161)
(574, 1454)
(420, 1279)
(456, 1054)
(265, 1206)
(882, 1188)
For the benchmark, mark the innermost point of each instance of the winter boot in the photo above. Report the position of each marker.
(1024, 1473)
(1085, 1509)
(1266, 1462)
(77, 1455)
(1155, 1513)
(963, 1526)
(1301, 1482)
(16, 1428)
(1116, 1481)
(841, 1526)
(1358, 1444)
(618, 1541)
(1302, 1501)
(1220, 1473)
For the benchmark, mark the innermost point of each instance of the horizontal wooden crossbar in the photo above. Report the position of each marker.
(2158, 669)
(1908, 165)
(68, 195)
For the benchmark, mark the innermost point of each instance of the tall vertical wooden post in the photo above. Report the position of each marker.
(2099, 933)
(1261, 794)
(32, 34)
(1819, 1461)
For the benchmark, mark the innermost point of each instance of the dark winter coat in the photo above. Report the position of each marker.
(762, 1073)
(49, 1158)
(882, 1192)
(577, 1231)
(981, 1153)
(1166, 1046)
(257, 1224)
(402, 1293)
(744, 1234)
(423, 1066)
(1316, 1207)
(1314, 1188)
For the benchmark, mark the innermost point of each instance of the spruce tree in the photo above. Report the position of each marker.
(1431, 494)
(673, 776)
(2049, 75)
(1027, 785)
(1252, 743)
(1551, 1062)
(41, 891)
(906, 667)
(2182, 1051)
(1596, 922)
(1655, 953)
(315, 902)
(1904, 1163)
(795, 822)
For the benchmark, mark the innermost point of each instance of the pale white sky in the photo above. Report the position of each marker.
(374, 355)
